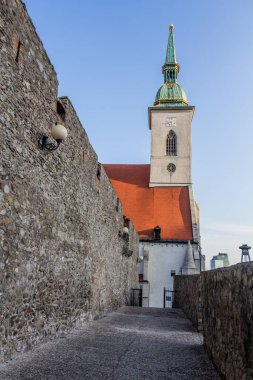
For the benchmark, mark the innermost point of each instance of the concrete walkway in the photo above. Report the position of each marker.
(130, 344)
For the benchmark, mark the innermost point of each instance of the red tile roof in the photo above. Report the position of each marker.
(147, 207)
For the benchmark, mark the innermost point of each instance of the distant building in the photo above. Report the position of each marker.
(219, 261)
(245, 253)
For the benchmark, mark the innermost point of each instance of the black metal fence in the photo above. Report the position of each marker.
(168, 298)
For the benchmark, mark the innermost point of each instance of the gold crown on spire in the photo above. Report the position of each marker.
(171, 26)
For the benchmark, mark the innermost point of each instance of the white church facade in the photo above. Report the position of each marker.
(158, 197)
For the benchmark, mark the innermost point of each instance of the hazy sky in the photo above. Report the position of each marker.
(108, 56)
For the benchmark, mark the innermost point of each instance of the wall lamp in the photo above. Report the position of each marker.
(124, 232)
(58, 133)
(125, 229)
(126, 223)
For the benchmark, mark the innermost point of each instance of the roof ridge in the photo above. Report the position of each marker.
(127, 164)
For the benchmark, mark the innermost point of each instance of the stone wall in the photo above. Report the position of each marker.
(227, 311)
(62, 258)
(188, 296)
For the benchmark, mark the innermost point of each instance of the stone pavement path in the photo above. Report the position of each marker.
(130, 344)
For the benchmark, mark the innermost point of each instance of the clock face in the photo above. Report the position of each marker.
(171, 168)
(170, 122)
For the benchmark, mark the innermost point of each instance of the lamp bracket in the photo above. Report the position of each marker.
(45, 144)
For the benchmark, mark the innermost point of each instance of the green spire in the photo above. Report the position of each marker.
(171, 68)
(171, 93)
(171, 49)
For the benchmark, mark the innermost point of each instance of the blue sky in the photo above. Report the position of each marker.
(108, 56)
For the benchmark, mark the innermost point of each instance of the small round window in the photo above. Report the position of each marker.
(171, 168)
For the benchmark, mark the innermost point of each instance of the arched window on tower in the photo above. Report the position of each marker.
(171, 144)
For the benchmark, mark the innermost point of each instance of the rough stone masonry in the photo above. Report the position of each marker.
(62, 258)
(222, 300)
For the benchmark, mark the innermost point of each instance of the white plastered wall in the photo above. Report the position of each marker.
(159, 260)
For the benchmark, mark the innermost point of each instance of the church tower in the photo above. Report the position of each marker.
(159, 198)
(170, 123)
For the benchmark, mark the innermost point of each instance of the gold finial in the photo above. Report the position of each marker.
(171, 26)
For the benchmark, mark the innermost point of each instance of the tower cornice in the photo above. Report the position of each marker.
(170, 108)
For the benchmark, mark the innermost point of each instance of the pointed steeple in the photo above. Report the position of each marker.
(171, 49)
(171, 93)
(189, 266)
(171, 67)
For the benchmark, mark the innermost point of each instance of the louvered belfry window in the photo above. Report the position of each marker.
(171, 144)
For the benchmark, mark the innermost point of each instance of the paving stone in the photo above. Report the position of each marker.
(130, 344)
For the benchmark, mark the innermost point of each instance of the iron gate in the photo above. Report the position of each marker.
(168, 298)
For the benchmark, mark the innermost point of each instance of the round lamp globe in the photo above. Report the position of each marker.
(59, 132)
(125, 231)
